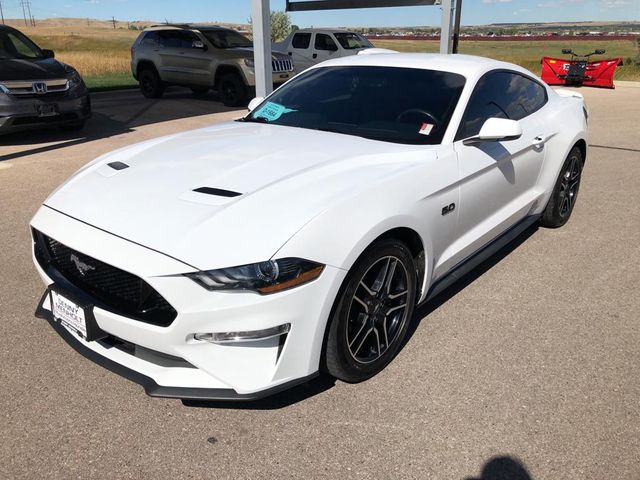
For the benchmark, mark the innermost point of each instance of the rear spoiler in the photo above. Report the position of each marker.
(569, 93)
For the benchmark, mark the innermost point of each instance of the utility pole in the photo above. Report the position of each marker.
(113, 19)
(29, 11)
(33, 20)
(24, 14)
(1, 13)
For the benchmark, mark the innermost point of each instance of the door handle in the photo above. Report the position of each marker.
(539, 141)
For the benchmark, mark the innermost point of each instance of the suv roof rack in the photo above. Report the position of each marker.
(177, 25)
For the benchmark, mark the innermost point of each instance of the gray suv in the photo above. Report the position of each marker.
(202, 58)
(36, 90)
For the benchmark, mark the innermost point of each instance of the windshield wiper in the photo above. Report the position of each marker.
(254, 120)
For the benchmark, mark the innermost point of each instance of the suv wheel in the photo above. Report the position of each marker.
(373, 310)
(233, 90)
(150, 84)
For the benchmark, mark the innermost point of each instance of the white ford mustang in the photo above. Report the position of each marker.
(234, 261)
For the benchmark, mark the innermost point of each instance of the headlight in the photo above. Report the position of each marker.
(73, 77)
(265, 277)
(249, 62)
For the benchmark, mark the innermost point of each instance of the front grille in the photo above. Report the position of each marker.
(36, 88)
(112, 288)
(279, 66)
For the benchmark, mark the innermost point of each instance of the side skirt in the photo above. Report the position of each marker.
(479, 256)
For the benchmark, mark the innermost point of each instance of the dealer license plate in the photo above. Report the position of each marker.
(47, 110)
(68, 313)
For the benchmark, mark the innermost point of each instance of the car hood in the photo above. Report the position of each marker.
(283, 177)
(17, 69)
(247, 52)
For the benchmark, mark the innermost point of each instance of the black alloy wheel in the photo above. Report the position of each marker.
(373, 312)
(151, 85)
(233, 90)
(565, 192)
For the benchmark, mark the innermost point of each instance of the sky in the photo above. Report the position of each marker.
(474, 12)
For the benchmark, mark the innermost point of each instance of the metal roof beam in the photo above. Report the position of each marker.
(307, 5)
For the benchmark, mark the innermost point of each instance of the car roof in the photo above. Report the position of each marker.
(332, 30)
(173, 26)
(469, 66)
(8, 28)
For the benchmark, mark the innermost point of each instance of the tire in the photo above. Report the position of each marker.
(565, 192)
(233, 90)
(198, 90)
(151, 85)
(359, 344)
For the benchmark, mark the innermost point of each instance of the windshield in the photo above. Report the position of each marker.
(400, 105)
(351, 41)
(226, 38)
(16, 45)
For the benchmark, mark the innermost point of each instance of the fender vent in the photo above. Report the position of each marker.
(217, 192)
(118, 165)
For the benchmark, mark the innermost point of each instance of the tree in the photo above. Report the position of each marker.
(280, 25)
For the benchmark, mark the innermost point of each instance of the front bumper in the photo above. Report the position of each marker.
(167, 361)
(22, 113)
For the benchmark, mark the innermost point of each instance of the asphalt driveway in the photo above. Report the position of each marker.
(527, 369)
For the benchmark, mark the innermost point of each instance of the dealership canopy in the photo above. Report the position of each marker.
(262, 28)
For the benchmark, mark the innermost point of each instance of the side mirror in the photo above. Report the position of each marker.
(496, 130)
(254, 103)
(48, 54)
(566, 51)
(198, 44)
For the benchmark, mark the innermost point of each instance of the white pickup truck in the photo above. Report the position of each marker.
(312, 45)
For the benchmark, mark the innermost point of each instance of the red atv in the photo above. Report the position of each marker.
(579, 70)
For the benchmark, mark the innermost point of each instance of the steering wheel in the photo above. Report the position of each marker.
(433, 119)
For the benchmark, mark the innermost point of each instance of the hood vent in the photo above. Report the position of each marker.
(217, 192)
(118, 165)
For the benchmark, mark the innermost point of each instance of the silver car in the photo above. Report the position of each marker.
(202, 58)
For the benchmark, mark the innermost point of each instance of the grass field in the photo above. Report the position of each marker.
(528, 54)
(102, 54)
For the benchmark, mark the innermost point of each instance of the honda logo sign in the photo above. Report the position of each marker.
(39, 87)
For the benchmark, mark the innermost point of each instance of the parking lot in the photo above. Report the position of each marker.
(528, 368)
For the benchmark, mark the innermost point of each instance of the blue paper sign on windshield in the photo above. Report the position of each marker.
(272, 111)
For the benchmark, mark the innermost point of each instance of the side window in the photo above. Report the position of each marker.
(501, 95)
(169, 39)
(176, 39)
(150, 39)
(325, 42)
(187, 39)
(301, 40)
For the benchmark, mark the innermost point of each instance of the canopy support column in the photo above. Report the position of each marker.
(260, 22)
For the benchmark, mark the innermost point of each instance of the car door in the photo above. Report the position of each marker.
(324, 48)
(498, 179)
(194, 60)
(300, 50)
(169, 53)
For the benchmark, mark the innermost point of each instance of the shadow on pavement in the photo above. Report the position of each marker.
(325, 382)
(503, 468)
(280, 400)
(115, 113)
(432, 305)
